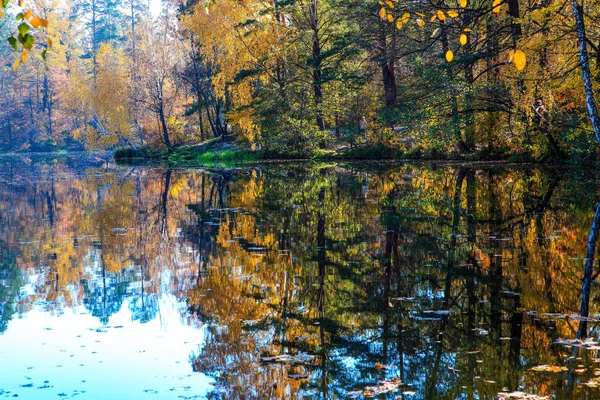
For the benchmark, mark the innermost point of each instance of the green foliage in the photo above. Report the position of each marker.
(294, 138)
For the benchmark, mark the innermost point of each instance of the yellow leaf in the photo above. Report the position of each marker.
(449, 56)
(452, 14)
(27, 14)
(390, 18)
(421, 15)
(520, 60)
(16, 64)
(496, 6)
(441, 15)
(50, 42)
(463, 3)
(1, 14)
(468, 30)
(381, 3)
(35, 22)
(382, 13)
(435, 32)
(405, 18)
(389, 4)
(24, 56)
(433, 18)
(399, 24)
(420, 22)
(463, 39)
(44, 23)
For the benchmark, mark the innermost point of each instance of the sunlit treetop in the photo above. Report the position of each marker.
(23, 39)
(389, 13)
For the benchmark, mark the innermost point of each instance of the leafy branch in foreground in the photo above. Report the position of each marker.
(23, 40)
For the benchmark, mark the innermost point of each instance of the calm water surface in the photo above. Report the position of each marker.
(297, 281)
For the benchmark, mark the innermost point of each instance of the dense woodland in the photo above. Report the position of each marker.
(302, 76)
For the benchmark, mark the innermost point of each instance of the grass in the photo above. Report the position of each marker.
(186, 156)
(223, 153)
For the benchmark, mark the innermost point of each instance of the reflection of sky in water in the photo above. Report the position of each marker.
(74, 352)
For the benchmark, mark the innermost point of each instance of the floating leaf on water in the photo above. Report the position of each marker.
(520, 395)
(549, 368)
(383, 387)
(300, 358)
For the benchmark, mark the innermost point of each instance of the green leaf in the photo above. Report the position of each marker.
(20, 17)
(44, 55)
(24, 28)
(29, 40)
(4, 3)
(13, 43)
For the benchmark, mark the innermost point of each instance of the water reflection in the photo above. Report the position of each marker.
(315, 281)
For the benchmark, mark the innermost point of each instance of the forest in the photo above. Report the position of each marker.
(476, 79)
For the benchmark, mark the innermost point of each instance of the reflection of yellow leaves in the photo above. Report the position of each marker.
(177, 187)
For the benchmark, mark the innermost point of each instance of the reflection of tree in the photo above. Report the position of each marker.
(588, 273)
(11, 279)
(105, 292)
(331, 270)
(479, 246)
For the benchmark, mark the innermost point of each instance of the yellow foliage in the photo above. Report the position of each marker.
(382, 13)
(519, 59)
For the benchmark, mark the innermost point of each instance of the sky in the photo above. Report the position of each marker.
(155, 6)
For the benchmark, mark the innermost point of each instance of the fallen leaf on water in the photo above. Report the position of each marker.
(549, 368)
(384, 386)
(521, 395)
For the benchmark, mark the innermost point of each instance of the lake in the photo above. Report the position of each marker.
(316, 281)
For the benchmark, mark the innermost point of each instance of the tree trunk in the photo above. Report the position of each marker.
(163, 124)
(584, 63)
(316, 61)
(388, 68)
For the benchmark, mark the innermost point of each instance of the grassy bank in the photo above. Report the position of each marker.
(228, 152)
